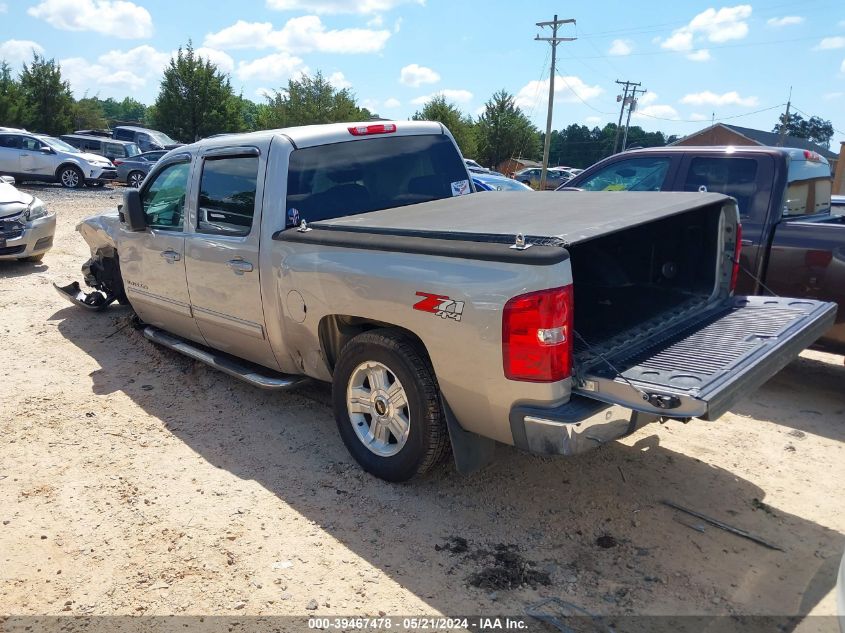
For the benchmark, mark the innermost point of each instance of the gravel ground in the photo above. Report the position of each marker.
(135, 481)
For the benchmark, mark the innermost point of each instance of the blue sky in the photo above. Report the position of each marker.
(698, 59)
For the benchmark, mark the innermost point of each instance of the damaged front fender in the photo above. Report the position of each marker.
(100, 231)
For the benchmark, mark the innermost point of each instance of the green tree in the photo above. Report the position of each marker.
(124, 111)
(814, 129)
(46, 100)
(196, 99)
(88, 114)
(462, 127)
(503, 131)
(10, 97)
(310, 100)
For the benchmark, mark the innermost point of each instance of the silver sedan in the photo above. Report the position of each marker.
(26, 226)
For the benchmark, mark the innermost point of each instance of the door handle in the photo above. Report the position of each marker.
(240, 266)
(746, 242)
(171, 256)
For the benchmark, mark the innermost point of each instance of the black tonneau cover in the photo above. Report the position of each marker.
(570, 217)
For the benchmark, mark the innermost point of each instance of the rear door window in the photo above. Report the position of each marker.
(634, 174)
(806, 197)
(736, 177)
(341, 179)
(227, 195)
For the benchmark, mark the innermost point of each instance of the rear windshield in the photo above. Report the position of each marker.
(333, 181)
(132, 149)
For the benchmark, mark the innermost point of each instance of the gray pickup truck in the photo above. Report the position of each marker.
(349, 253)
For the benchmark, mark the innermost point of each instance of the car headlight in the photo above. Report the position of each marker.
(35, 210)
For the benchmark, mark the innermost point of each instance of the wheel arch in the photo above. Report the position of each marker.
(69, 163)
(336, 330)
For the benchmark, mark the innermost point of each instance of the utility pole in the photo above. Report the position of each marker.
(554, 40)
(624, 99)
(785, 120)
(631, 107)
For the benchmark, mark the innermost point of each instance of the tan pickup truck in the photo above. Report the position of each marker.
(358, 254)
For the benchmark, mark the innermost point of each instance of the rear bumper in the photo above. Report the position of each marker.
(37, 238)
(576, 427)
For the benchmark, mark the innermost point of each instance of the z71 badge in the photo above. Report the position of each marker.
(441, 305)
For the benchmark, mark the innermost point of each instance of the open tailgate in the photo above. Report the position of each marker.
(701, 369)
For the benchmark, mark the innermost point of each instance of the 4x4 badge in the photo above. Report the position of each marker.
(441, 305)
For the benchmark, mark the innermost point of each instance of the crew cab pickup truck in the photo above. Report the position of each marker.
(792, 243)
(350, 253)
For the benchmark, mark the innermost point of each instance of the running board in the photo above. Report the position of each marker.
(225, 363)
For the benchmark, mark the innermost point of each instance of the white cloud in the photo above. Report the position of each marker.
(567, 89)
(338, 80)
(711, 25)
(376, 22)
(620, 47)
(298, 35)
(414, 75)
(241, 35)
(647, 99)
(223, 61)
(711, 98)
(656, 111)
(117, 18)
(339, 6)
(17, 52)
(592, 120)
(142, 60)
(701, 55)
(3, 7)
(370, 104)
(397, 25)
(85, 77)
(842, 67)
(829, 96)
(275, 67)
(456, 96)
(695, 116)
(391, 103)
(787, 20)
(830, 43)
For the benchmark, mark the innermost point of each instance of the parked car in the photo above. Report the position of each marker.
(147, 140)
(131, 171)
(471, 164)
(349, 253)
(110, 148)
(792, 245)
(26, 226)
(491, 182)
(28, 156)
(101, 132)
(531, 177)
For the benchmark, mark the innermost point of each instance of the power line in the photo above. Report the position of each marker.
(727, 118)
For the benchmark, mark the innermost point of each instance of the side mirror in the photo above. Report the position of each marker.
(133, 211)
(47, 150)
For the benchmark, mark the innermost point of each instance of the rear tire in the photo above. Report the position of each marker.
(71, 177)
(387, 405)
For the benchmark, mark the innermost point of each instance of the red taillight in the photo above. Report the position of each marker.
(366, 130)
(117, 162)
(737, 249)
(536, 336)
(813, 156)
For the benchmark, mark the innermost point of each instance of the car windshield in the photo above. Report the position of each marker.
(132, 150)
(59, 145)
(161, 138)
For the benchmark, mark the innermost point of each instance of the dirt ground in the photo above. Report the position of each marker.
(135, 481)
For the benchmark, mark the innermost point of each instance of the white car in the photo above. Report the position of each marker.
(26, 226)
(29, 156)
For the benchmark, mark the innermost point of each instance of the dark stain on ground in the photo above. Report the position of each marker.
(606, 541)
(503, 567)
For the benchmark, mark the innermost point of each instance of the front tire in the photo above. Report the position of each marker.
(71, 177)
(387, 405)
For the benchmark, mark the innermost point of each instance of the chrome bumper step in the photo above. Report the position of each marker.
(255, 375)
